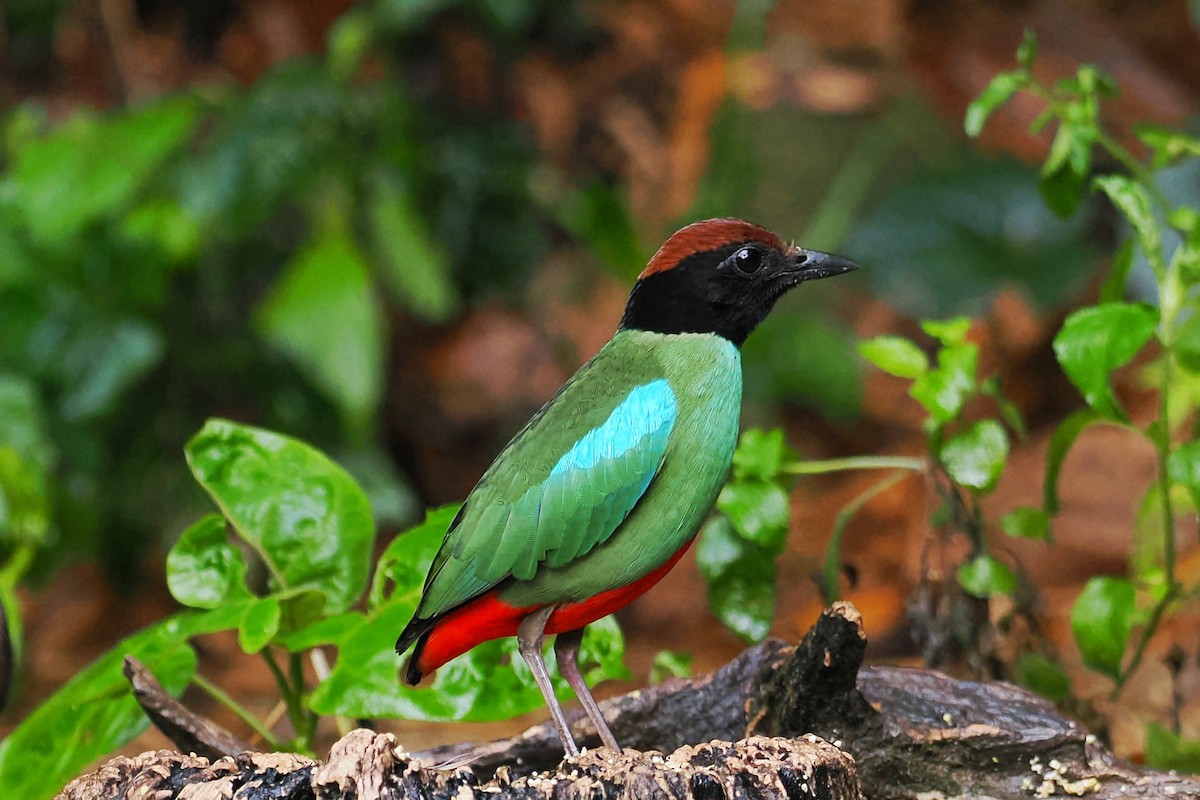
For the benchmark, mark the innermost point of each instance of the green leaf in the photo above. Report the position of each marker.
(322, 312)
(1168, 145)
(741, 580)
(91, 168)
(984, 576)
(1183, 468)
(1046, 677)
(995, 94)
(1096, 340)
(1147, 549)
(413, 265)
(327, 630)
(975, 458)
(406, 561)
(301, 512)
(758, 511)
(670, 664)
(948, 331)
(348, 41)
(945, 390)
(25, 460)
(895, 355)
(1060, 444)
(1101, 622)
(1133, 201)
(1027, 50)
(760, 454)
(94, 713)
(165, 227)
(259, 624)
(1167, 750)
(204, 569)
(1187, 344)
(1026, 523)
(1067, 168)
(1113, 289)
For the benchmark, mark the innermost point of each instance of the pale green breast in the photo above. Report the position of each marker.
(704, 372)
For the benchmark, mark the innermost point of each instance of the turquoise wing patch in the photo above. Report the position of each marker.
(586, 495)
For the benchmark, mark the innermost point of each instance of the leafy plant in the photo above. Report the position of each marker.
(739, 544)
(1096, 341)
(309, 524)
(967, 456)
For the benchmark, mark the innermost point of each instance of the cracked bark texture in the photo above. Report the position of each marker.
(765, 722)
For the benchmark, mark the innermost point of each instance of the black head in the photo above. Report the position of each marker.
(721, 276)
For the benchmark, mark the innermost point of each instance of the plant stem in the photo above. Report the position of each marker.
(1164, 480)
(305, 720)
(243, 713)
(290, 693)
(853, 462)
(1144, 639)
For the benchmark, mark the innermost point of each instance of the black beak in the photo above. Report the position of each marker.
(813, 264)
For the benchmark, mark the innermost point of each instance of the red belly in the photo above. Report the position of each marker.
(488, 617)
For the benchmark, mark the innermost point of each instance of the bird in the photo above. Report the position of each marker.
(604, 489)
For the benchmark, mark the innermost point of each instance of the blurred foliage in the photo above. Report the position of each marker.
(147, 254)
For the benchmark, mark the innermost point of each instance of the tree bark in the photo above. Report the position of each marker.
(883, 733)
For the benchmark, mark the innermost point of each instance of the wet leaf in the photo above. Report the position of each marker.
(1101, 621)
(205, 569)
(998, 92)
(760, 454)
(975, 458)
(1026, 523)
(985, 575)
(944, 391)
(741, 580)
(895, 355)
(1095, 341)
(758, 511)
(304, 514)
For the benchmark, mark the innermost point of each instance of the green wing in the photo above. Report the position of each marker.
(562, 486)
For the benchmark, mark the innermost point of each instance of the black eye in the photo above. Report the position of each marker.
(748, 259)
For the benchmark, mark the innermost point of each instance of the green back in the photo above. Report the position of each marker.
(571, 478)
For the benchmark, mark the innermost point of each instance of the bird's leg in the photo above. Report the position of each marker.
(529, 637)
(566, 649)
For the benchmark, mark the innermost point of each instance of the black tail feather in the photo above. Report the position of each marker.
(416, 631)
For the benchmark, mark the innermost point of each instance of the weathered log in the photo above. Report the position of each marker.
(911, 733)
(368, 766)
